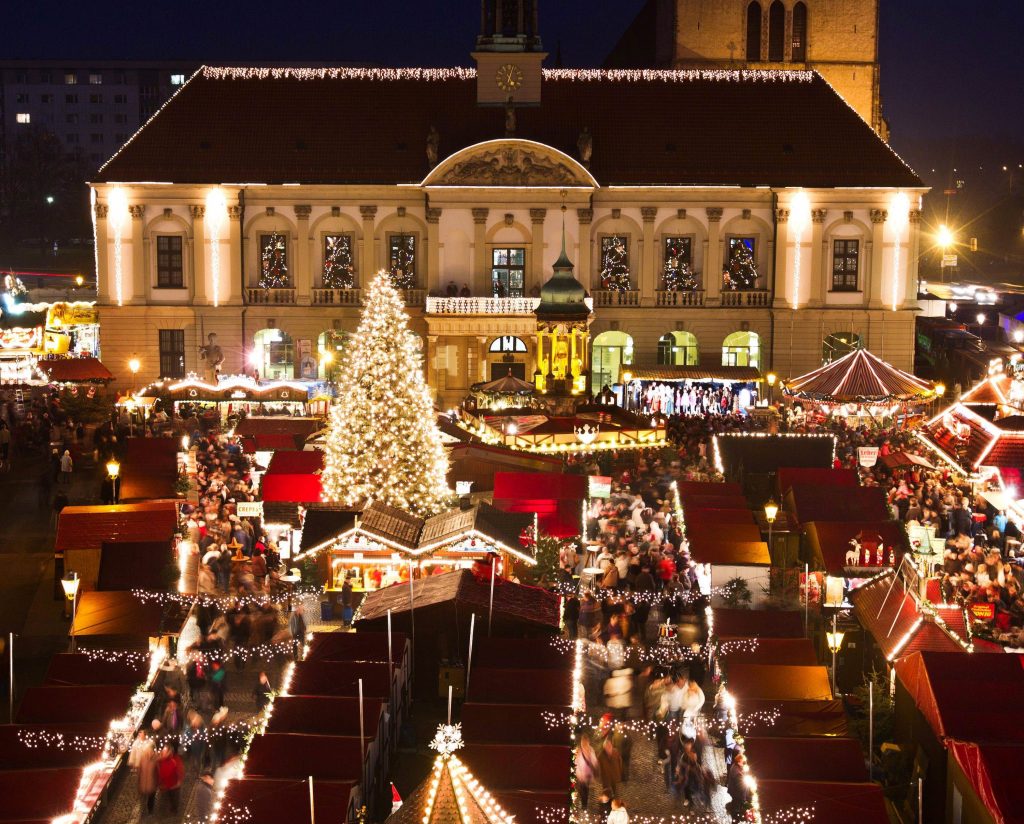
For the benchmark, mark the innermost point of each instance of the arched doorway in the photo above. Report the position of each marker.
(678, 349)
(329, 347)
(507, 354)
(741, 349)
(273, 354)
(612, 351)
(838, 344)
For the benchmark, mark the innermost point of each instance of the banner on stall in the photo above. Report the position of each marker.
(600, 486)
(72, 314)
(983, 612)
(867, 455)
(250, 509)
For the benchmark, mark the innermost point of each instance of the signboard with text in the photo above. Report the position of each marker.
(600, 486)
(867, 455)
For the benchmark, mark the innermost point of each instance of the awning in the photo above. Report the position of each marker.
(75, 370)
(859, 377)
(903, 460)
(778, 682)
(719, 374)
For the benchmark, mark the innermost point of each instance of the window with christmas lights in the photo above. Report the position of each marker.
(615, 263)
(402, 260)
(169, 270)
(741, 271)
(845, 265)
(172, 353)
(677, 271)
(339, 267)
(508, 267)
(274, 272)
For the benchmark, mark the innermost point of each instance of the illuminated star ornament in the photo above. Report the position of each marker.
(450, 794)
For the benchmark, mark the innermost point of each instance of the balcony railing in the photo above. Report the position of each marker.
(481, 306)
(337, 297)
(278, 297)
(751, 297)
(615, 298)
(413, 297)
(673, 298)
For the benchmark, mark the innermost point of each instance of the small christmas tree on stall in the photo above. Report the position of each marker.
(383, 442)
(615, 265)
(742, 271)
(678, 276)
(273, 265)
(339, 271)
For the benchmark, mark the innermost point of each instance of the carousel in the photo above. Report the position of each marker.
(862, 388)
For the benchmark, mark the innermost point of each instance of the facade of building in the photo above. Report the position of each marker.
(836, 38)
(92, 107)
(772, 241)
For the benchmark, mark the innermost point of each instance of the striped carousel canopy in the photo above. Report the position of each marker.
(859, 377)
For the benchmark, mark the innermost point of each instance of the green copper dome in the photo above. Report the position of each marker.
(563, 296)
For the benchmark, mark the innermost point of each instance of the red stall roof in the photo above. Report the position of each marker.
(519, 766)
(296, 462)
(31, 796)
(273, 801)
(806, 759)
(70, 669)
(709, 488)
(747, 623)
(797, 718)
(731, 553)
(88, 527)
(341, 678)
(75, 370)
(994, 771)
(778, 682)
(793, 651)
(521, 686)
(830, 542)
(126, 565)
(290, 488)
(16, 755)
(80, 704)
(946, 688)
(522, 653)
(789, 476)
(554, 498)
(821, 503)
(286, 755)
(833, 801)
(708, 516)
(325, 715)
(356, 646)
(109, 614)
(149, 469)
(511, 723)
(297, 427)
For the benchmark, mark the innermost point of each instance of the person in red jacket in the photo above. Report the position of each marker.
(666, 570)
(171, 773)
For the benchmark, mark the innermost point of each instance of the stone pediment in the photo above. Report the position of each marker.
(509, 163)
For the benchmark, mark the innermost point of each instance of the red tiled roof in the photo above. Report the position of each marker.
(340, 127)
(833, 801)
(76, 370)
(806, 759)
(994, 772)
(983, 447)
(149, 469)
(822, 503)
(829, 542)
(858, 376)
(296, 462)
(89, 527)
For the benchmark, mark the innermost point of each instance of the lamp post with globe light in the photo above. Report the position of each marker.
(945, 240)
(114, 473)
(835, 643)
(771, 378)
(771, 510)
(70, 583)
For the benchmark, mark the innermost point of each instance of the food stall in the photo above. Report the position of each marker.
(232, 396)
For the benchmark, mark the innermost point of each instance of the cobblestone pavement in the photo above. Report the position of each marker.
(125, 806)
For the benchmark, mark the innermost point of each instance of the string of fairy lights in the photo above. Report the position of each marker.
(48, 739)
(224, 601)
(748, 722)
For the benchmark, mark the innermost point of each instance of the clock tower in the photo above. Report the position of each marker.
(508, 54)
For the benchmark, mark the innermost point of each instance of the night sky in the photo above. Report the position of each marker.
(951, 71)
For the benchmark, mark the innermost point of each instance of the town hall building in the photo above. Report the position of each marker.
(717, 218)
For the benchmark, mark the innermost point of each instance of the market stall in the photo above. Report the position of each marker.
(233, 397)
(692, 390)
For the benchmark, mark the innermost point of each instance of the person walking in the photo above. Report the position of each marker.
(67, 466)
(204, 795)
(171, 774)
(5, 447)
(263, 692)
(618, 815)
(297, 627)
(143, 759)
(586, 769)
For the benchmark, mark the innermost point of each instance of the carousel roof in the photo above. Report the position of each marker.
(451, 793)
(858, 377)
(506, 385)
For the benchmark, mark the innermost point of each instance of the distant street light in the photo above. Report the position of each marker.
(49, 199)
(771, 509)
(70, 584)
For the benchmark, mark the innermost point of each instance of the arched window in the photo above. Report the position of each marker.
(798, 50)
(273, 354)
(838, 344)
(507, 343)
(777, 32)
(741, 349)
(754, 31)
(678, 349)
(612, 351)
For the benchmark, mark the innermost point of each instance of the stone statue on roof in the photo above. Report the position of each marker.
(433, 139)
(585, 146)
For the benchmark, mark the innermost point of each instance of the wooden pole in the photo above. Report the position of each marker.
(490, 608)
(469, 657)
(450, 690)
(807, 595)
(871, 729)
(362, 732)
(312, 806)
(10, 656)
(391, 674)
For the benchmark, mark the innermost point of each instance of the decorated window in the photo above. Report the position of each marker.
(615, 263)
(169, 271)
(339, 268)
(741, 271)
(845, 265)
(402, 260)
(508, 272)
(677, 271)
(798, 43)
(274, 262)
(172, 353)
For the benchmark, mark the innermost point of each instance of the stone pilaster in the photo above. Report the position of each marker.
(304, 258)
(818, 271)
(481, 285)
(536, 274)
(783, 296)
(368, 261)
(713, 257)
(583, 267)
(433, 279)
(876, 272)
(199, 291)
(138, 247)
(104, 273)
(231, 262)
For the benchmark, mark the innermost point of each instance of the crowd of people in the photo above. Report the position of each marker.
(687, 398)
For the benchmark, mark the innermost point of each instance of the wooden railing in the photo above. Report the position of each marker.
(674, 298)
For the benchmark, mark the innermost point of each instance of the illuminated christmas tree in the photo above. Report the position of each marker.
(614, 265)
(742, 271)
(678, 275)
(403, 262)
(339, 270)
(273, 263)
(383, 442)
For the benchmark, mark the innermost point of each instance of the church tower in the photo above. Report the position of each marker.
(508, 54)
(563, 337)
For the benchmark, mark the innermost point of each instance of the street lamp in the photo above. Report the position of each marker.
(79, 281)
(326, 359)
(940, 389)
(510, 429)
(945, 239)
(70, 584)
(771, 377)
(771, 509)
(134, 364)
(113, 472)
(627, 377)
(980, 317)
(834, 640)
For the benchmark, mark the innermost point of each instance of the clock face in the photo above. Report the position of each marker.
(509, 77)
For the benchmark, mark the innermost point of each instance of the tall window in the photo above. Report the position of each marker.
(402, 260)
(798, 44)
(678, 349)
(677, 270)
(741, 349)
(169, 271)
(339, 267)
(845, 265)
(615, 263)
(754, 32)
(172, 353)
(741, 271)
(274, 262)
(777, 32)
(508, 272)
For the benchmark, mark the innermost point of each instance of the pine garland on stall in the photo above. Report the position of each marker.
(274, 266)
(383, 442)
(615, 266)
(339, 269)
(742, 271)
